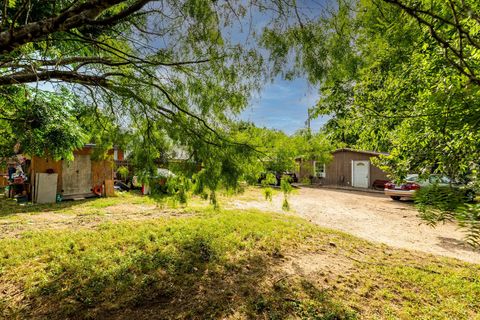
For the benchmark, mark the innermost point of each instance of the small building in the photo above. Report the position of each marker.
(81, 177)
(348, 168)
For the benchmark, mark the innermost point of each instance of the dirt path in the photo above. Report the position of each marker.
(373, 217)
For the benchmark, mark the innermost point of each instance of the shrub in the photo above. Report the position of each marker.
(268, 192)
(270, 179)
(178, 187)
(123, 172)
(286, 188)
(439, 198)
(468, 217)
(439, 204)
(306, 180)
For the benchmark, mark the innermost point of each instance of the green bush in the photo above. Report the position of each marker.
(268, 192)
(178, 187)
(158, 186)
(440, 198)
(442, 203)
(123, 172)
(286, 188)
(306, 180)
(270, 179)
(468, 217)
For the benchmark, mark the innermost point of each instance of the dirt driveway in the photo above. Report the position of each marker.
(373, 217)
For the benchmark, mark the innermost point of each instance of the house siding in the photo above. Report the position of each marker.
(339, 170)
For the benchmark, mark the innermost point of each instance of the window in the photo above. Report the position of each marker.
(319, 169)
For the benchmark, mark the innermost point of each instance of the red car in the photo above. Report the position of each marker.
(413, 183)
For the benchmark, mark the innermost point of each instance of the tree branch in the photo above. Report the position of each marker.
(464, 67)
(74, 17)
(67, 76)
(120, 16)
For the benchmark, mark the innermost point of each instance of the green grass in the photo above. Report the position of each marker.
(10, 208)
(214, 264)
(17, 219)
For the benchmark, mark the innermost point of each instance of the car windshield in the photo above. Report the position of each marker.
(432, 179)
(412, 178)
(438, 179)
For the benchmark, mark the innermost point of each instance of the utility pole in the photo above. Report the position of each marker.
(307, 123)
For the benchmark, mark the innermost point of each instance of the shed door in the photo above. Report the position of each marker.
(77, 175)
(360, 174)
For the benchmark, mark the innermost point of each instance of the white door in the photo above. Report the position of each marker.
(360, 174)
(77, 175)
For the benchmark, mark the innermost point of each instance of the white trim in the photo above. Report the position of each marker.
(352, 174)
(367, 163)
(321, 174)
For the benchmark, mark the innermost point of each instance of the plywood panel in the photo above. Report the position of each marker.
(41, 165)
(3, 172)
(109, 191)
(46, 187)
(101, 170)
(77, 175)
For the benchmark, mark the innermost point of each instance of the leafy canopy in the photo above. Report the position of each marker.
(399, 76)
(146, 75)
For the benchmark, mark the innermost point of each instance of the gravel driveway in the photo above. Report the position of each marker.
(373, 217)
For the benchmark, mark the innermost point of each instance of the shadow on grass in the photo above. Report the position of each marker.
(345, 190)
(455, 244)
(9, 207)
(192, 285)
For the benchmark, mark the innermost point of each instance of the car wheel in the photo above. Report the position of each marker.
(396, 198)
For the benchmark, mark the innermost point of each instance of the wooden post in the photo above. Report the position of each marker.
(109, 190)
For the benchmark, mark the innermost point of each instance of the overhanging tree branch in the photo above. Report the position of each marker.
(83, 61)
(67, 76)
(462, 56)
(77, 16)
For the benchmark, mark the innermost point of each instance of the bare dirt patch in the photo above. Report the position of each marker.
(372, 217)
(310, 264)
(82, 217)
(127, 208)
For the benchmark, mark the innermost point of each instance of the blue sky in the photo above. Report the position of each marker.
(283, 105)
